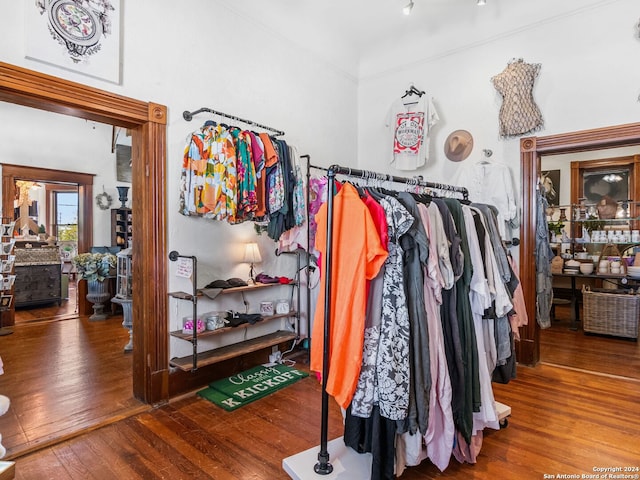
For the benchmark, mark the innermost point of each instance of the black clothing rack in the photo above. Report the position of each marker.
(188, 116)
(323, 467)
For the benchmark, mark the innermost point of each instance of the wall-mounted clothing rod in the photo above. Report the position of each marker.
(188, 116)
(418, 181)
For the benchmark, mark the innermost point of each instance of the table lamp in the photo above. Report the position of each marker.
(252, 256)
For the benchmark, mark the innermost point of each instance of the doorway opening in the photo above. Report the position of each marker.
(46, 222)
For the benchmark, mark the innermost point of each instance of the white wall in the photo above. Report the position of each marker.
(205, 55)
(35, 138)
(222, 59)
(586, 81)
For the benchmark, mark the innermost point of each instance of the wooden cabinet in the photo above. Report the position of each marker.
(35, 284)
(121, 232)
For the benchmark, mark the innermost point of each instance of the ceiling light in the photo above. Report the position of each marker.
(407, 8)
(482, 2)
(612, 178)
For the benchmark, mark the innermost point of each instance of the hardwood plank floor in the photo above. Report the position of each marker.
(62, 377)
(68, 308)
(562, 422)
(71, 376)
(613, 356)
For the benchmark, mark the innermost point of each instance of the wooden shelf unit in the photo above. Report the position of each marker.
(121, 232)
(227, 352)
(208, 357)
(208, 333)
(248, 288)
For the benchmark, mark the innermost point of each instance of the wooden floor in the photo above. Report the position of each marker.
(559, 345)
(64, 378)
(562, 422)
(68, 308)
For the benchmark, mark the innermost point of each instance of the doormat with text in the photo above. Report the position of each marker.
(258, 382)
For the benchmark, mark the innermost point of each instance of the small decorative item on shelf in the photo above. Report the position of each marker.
(586, 268)
(5, 301)
(95, 268)
(282, 306)
(7, 281)
(7, 264)
(7, 229)
(555, 229)
(563, 215)
(187, 325)
(623, 210)
(214, 320)
(7, 247)
(123, 193)
(557, 264)
(266, 308)
(607, 208)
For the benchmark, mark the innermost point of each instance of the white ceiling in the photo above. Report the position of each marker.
(346, 32)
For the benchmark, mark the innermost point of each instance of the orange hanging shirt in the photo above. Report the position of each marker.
(357, 255)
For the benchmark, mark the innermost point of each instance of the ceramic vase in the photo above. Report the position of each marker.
(123, 193)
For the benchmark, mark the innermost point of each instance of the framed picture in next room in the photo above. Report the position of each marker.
(550, 181)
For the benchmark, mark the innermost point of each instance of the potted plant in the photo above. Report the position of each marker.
(555, 228)
(95, 268)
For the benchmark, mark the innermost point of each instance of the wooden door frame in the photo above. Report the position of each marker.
(531, 151)
(147, 122)
(83, 181)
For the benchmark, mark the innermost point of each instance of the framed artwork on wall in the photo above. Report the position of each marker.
(610, 182)
(78, 35)
(550, 180)
(123, 163)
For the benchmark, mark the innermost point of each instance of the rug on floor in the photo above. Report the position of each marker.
(258, 382)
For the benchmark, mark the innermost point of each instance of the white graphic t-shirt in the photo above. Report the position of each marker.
(409, 125)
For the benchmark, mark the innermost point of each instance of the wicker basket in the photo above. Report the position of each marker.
(611, 313)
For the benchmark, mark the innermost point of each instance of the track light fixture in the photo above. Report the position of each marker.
(407, 8)
(482, 2)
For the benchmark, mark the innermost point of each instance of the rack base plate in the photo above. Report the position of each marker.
(346, 462)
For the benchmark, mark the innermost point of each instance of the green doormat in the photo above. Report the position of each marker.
(250, 385)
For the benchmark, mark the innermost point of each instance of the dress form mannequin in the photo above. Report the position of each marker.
(519, 113)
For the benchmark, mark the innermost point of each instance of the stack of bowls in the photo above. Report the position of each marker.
(571, 267)
(586, 268)
(634, 271)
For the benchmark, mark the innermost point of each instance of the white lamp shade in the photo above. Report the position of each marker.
(252, 253)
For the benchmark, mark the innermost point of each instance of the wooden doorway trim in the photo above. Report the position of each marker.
(147, 122)
(531, 150)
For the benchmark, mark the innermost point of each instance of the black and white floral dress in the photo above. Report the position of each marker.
(384, 376)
